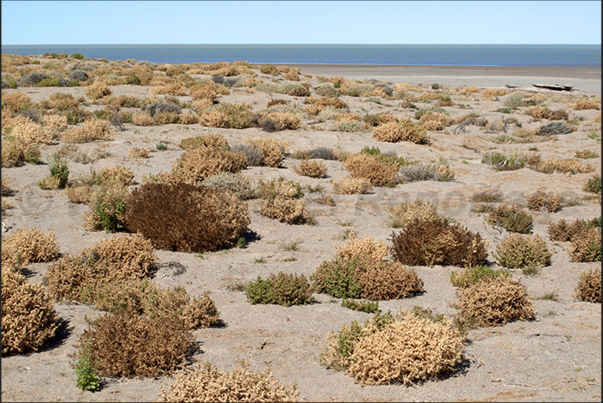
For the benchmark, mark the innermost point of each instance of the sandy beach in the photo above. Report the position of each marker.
(554, 357)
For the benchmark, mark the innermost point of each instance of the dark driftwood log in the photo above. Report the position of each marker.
(555, 87)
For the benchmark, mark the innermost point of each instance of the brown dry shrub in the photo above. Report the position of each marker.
(204, 140)
(115, 174)
(435, 120)
(30, 245)
(62, 102)
(189, 119)
(183, 209)
(15, 102)
(371, 168)
(199, 163)
(274, 101)
(174, 89)
(97, 90)
(166, 118)
(378, 119)
(495, 301)
(16, 152)
(349, 185)
(540, 201)
(79, 194)
(428, 243)
(138, 152)
(573, 166)
(280, 121)
(493, 92)
(432, 96)
(538, 112)
(292, 75)
(6, 189)
(311, 168)
(409, 350)
(404, 213)
(272, 149)
(143, 119)
(586, 245)
(468, 90)
(206, 383)
(518, 251)
(384, 281)
(31, 133)
(127, 345)
(588, 104)
(54, 121)
(404, 130)
(367, 248)
(123, 257)
(589, 286)
(93, 129)
(213, 118)
(405, 87)
(323, 102)
(28, 315)
(348, 117)
(290, 211)
(564, 231)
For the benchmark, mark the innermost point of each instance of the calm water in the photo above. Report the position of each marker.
(429, 55)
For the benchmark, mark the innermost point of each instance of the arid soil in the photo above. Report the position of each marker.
(556, 357)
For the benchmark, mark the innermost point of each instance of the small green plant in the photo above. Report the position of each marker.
(361, 306)
(282, 289)
(85, 370)
(512, 219)
(161, 146)
(594, 184)
(594, 135)
(424, 313)
(77, 56)
(291, 246)
(260, 260)
(60, 170)
(474, 274)
(505, 110)
(504, 162)
(550, 296)
(586, 154)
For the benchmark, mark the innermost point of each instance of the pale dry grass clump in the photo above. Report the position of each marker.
(435, 120)
(207, 383)
(115, 174)
(54, 121)
(493, 92)
(588, 104)
(495, 301)
(204, 140)
(97, 90)
(472, 89)
(560, 165)
(277, 121)
(197, 164)
(589, 286)
(404, 130)
(143, 119)
(31, 133)
(404, 213)
(272, 149)
(586, 245)
(189, 119)
(15, 102)
(79, 194)
(540, 201)
(138, 152)
(405, 87)
(290, 211)
(518, 251)
(62, 102)
(354, 248)
(349, 185)
(93, 129)
(28, 315)
(311, 168)
(173, 89)
(30, 245)
(377, 171)
(16, 152)
(408, 350)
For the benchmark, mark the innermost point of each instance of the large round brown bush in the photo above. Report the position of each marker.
(28, 315)
(187, 218)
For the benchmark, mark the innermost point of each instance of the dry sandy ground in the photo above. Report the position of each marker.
(556, 357)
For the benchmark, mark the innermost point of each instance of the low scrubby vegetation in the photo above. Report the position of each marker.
(281, 289)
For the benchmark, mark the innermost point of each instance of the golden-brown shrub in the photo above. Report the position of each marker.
(143, 119)
(174, 89)
(79, 194)
(438, 242)
(493, 92)
(564, 231)
(199, 163)
(6, 189)
(495, 301)
(272, 149)
(15, 102)
(586, 245)
(372, 168)
(183, 209)
(435, 120)
(383, 281)
(323, 102)
(97, 90)
(538, 112)
(349, 185)
(92, 129)
(54, 121)
(407, 87)
(589, 286)
(31, 133)
(115, 174)
(311, 168)
(588, 104)
(404, 213)
(127, 345)
(213, 118)
(136, 152)
(62, 102)
(277, 121)
(206, 383)
(574, 166)
(15, 152)
(204, 140)
(166, 118)
(409, 350)
(540, 200)
(28, 315)
(290, 211)
(368, 248)
(203, 90)
(522, 251)
(404, 130)
(188, 118)
(31, 245)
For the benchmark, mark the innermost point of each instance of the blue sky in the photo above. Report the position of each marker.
(300, 22)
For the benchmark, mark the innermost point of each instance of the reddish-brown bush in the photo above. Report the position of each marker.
(311, 168)
(171, 216)
(437, 242)
(589, 286)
